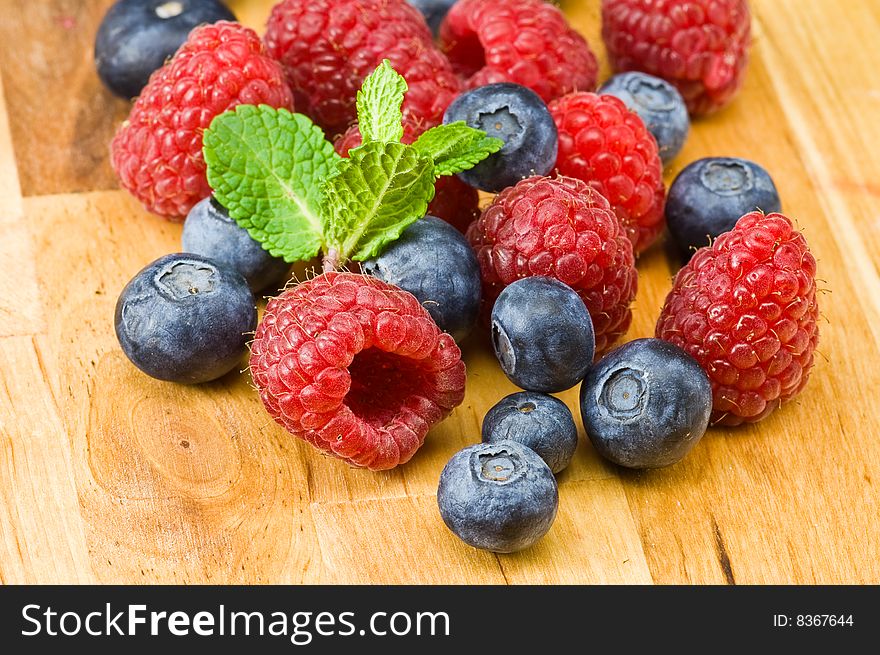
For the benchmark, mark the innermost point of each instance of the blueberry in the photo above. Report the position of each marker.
(434, 11)
(498, 496)
(645, 404)
(209, 231)
(185, 318)
(542, 334)
(434, 262)
(537, 421)
(710, 195)
(137, 36)
(517, 116)
(658, 104)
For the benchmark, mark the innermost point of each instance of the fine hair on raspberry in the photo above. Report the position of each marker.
(356, 367)
(745, 308)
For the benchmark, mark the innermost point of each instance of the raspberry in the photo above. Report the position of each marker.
(700, 46)
(562, 228)
(356, 367)
(454, 201)
(524, 41)
(746, 309)
(608, 146)
(328, 47)
(157, 152)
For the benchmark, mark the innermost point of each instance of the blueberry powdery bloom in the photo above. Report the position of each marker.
(185, 318)
(499, 496)
(658, 104)
(537, 421)
(517, 116)
(710, 195)
(542, 334)
(645, 404)
(137, 36)
(209, 231)
(434, 262)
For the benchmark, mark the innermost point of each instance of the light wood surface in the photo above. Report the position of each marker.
(109, 476)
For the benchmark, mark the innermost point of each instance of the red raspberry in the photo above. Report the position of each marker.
(356, 367)
(454, 201)
(157, 152)
(524, 41)
(328, 47)
(562, 228)
(746, 309)
(608, 146)
(700, 46)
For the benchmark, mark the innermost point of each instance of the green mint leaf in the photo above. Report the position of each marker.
(380, 190)
(456, 147)
(266, 167)
(378, 105)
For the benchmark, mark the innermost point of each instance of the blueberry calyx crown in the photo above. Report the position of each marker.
(504, 348)
(650, 94)
(170, 9)
(624, 394)
(182, 279)
(727, 178)
(497, 465)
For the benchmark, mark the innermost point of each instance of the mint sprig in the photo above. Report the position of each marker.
(280, 178)
(375, 195)
(378, 105)
(266, 166)
(456, 147)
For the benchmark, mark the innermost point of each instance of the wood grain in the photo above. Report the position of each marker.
(62, 118)
(110, 476)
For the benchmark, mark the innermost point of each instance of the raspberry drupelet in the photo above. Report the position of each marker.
(561, 228)
(746, 310)
(157, 152)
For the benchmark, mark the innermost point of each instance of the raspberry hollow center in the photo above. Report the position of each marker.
(467, 55)
(381, 383)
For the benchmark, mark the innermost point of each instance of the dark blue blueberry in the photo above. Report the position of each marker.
(710, 195)
(517, 116)
(645, 404)
(209, 231)
(435, 263)
(658, 104)
(536, 420)
(498, 496)
(542, 334)
(185, 318)
(137, 36)
(434, 11)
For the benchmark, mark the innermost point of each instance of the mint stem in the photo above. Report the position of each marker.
(331, 260)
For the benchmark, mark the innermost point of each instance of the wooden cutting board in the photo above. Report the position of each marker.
(109, 476)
